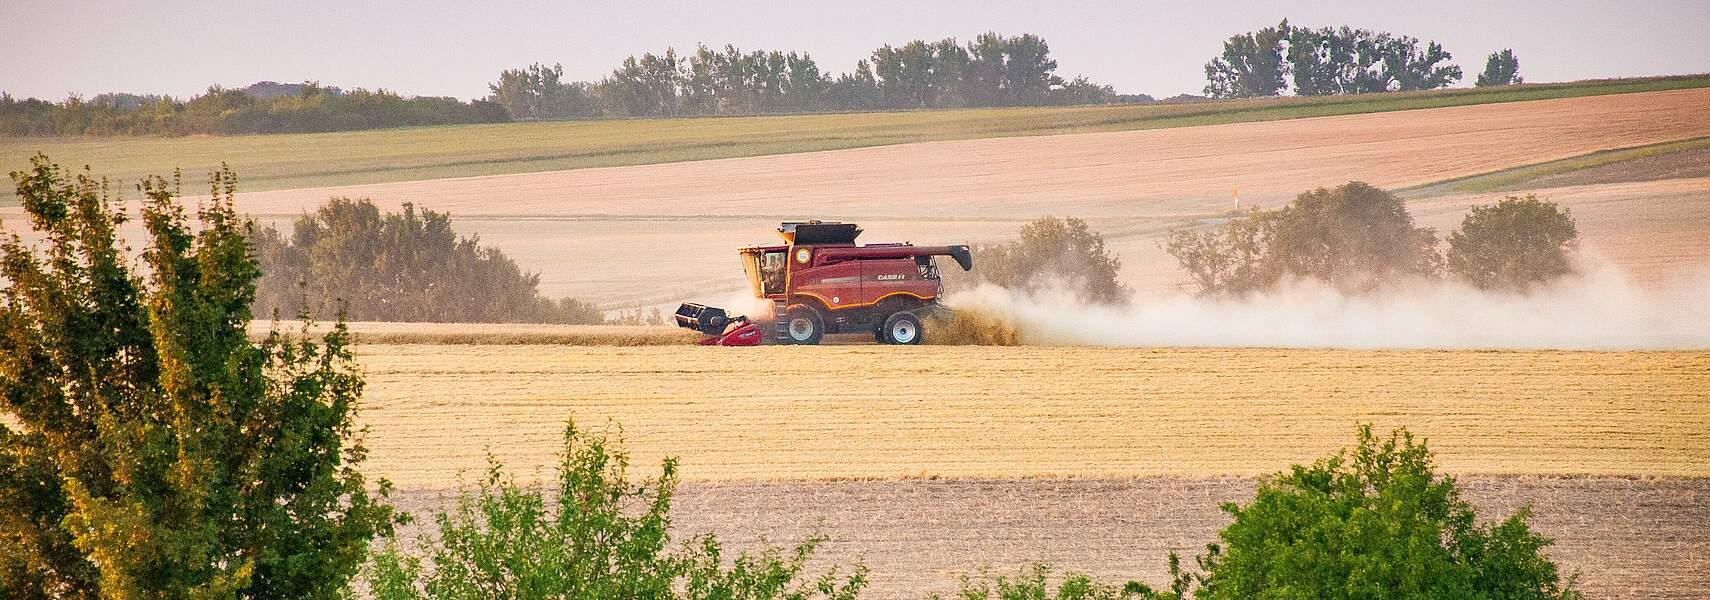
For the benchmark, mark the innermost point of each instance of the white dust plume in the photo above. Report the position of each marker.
(1597, 309)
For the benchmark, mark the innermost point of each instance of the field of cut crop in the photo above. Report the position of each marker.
(931, 462)
(306, 160)
(880, 411)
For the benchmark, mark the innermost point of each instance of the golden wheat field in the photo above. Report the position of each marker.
(846, 412)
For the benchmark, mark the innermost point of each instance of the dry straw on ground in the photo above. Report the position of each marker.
(853, 412)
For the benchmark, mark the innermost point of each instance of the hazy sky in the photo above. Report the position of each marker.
(51, 47)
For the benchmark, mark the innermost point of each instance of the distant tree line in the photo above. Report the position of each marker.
(1337, 60)
(408, 266)
(258, 109)
(992, 70)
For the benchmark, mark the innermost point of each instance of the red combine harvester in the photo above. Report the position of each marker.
(820, 282)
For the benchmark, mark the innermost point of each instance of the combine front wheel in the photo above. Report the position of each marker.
(803, 325)
(901, 328)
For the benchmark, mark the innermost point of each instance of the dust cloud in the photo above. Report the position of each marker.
(1597, 309)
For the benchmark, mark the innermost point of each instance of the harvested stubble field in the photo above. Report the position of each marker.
(853, 412)
(453, 334)
(933, 461)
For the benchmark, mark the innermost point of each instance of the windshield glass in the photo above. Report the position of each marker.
(772, 272)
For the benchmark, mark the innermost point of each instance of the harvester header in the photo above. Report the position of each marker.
(819, 281)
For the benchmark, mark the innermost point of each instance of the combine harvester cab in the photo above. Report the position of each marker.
(820, 282)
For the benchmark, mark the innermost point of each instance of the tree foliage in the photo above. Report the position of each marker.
(597, 535)
(992, 70)
(1501, 68)
(1374, 522)
(1251, 65)
(1326, 61)
(1354, 236)
(1513, 244)
(536, 93)
(313, 108)
(408, 266)
(1034, 582)
(1053, 253)
(148, 448)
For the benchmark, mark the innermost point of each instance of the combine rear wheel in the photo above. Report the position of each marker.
(803, 325)
(901, 328)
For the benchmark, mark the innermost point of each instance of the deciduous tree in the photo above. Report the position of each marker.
(148, 448)
(1501, 68)
(1513, 244)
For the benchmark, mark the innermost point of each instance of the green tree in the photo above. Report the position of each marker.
(1028, 71)
(1513, 244)
(1081, 90)
(598, 535)
(1412, 68)
(1354, 236)
(1374, 522)
(1053, 252)
(855, 91)
(905, 74)
(1251, 65)
(1501, 68)
(1230, 259)
(408, 266)
(1325, 61)
(148, 449)
(538, 92)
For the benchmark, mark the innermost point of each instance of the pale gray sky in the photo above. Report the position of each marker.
(454, 48)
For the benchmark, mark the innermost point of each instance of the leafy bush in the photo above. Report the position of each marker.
(1052, 252)
(405, 266)
(1377, 522)
(1513, 244)
(148, 449)
(597, 536)
(1031, 583)
(1354, 236)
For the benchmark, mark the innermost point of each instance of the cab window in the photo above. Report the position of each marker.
(772, 272)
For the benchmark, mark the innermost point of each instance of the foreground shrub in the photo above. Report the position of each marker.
(148, 449)
(597, 536)
(1032, 583)
(1513, 244)
(1376, 522)
(405, 266)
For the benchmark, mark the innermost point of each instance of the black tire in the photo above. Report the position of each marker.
(803, 325)
(902, 328)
